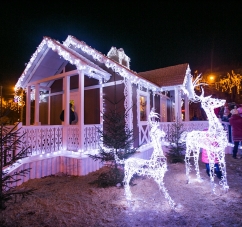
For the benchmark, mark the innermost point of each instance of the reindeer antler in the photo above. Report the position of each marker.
(194, 97)
(200, 97)
(152, 114)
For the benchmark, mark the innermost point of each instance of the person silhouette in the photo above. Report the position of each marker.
(71, 115)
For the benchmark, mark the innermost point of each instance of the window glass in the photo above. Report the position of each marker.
(143, 103)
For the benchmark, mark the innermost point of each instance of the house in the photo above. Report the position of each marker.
(60, 73)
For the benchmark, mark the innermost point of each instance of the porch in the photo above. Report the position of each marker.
(48, 156)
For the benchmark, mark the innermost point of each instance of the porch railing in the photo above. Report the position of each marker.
(49, 138)
(42, 139)
(187, 126)
(91, 137)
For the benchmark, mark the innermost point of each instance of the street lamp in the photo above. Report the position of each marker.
(211, 78)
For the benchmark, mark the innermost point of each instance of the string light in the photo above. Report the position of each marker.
(154, 168)
(232, 80)
(116, 67)
(122, 57)
(68, 54)
(214, 140)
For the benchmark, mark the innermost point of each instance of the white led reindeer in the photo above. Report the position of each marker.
(214, 140)
(155, 167)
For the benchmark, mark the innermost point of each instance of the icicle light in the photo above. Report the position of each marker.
(67, 54)
(121, 70)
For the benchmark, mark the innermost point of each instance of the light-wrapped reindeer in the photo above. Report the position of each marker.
(214, 140)
(154, 168)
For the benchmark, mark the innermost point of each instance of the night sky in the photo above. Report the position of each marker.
(154, 35)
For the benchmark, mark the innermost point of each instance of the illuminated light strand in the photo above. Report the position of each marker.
(233, 80)
(122, 57)
(116, 67)
(74, 58)
(128, 103)
(42, 96)
(154, 168)
(214, 140)
(68, 54)
(187, 83)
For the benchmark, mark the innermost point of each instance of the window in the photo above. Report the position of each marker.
(143, 108)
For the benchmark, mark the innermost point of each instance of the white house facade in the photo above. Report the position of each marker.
(60, 73)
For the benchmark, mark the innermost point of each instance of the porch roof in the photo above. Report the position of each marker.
(167, 77)
(50, 58)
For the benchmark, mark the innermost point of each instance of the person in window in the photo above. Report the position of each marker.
(71, 116)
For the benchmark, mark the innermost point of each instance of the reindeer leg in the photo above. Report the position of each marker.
(196, 157)
(212, 174)
(127, 178)
(222, 167)
(187, 162)
(162, 187)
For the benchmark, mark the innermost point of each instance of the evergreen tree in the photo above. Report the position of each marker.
(11, 150)
(115, 139)
(177, 145)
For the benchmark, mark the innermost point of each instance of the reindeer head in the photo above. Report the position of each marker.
(152, 119)
(212, 103)
(208, 102)
(152, 116)
(155, 131)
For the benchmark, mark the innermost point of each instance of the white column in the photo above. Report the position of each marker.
(36, 107)
(177, 103)
(101, 104)
(66, 98)
(28, 106)
(66, 85)
(101, 101)
(187, 117)
(81, 110)
(130, 104)
(153, 99)
(49, 106)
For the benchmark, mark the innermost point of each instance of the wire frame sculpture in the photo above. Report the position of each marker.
(214, 140)
(155, 167)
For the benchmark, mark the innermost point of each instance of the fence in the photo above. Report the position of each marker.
(91, 137)
(187, 126)
(49, 138)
